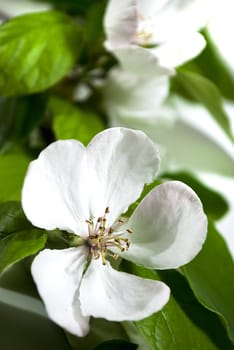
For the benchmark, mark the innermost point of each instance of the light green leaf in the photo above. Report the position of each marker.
(12, 171)
(19, 245)
(204, 91)
(183, 323)
(215, 206)
(70, 122)
(36, 51)
(211, 276)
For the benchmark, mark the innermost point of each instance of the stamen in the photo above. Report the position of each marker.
(103, 239)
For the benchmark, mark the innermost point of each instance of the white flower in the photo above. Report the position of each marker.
(141, 100)
(84, 191)
(134, 94)
(220, 29)
(170, 26)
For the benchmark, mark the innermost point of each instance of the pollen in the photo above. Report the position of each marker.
(103, 239)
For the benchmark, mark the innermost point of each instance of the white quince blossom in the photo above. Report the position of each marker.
(172, 122)
(168, 27)
(128, 92)
(84, 191)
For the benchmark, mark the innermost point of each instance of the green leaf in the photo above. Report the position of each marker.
(211, 64)
(204, 91)
(100, 331)
(18, 246)
(12, 218)
(36, 51)
(19, 115)
(72, 6)
(211, 276)
(116, 345)
(12, 171)
(215, 206)
(94, 35)
(70, 122)
(24, 322)
(181, 324)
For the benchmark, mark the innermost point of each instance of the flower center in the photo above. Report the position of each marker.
(145, 32)
(103, 238)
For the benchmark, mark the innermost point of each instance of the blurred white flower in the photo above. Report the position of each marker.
(221, 27)
(84, 191)
(181, 128)
(168, 27)
(135, 89)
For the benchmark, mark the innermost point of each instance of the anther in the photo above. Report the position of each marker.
(110, 231)
(129, 230)
(107, 210)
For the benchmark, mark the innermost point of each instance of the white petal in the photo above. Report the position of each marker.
(118, 296)
(175, 17)
(120, 162)
(58, 274)
(178, 50)
(133, 95)
(169, 227)
(221, 27)
(150, 8)
(141, 61)
(55, 191)
(120, 23)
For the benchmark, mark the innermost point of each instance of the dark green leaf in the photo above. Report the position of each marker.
(19, 245)
(24, 323)
(22, 329)
(94, 25)
(12, 218)
(36, 51)
(215, 206)
(100, 331)
(181, 324)
(18, 116)
(12, 171)
(70, 122)
(71, 6)
(204, 91)
(211, 276)
(116, 345)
